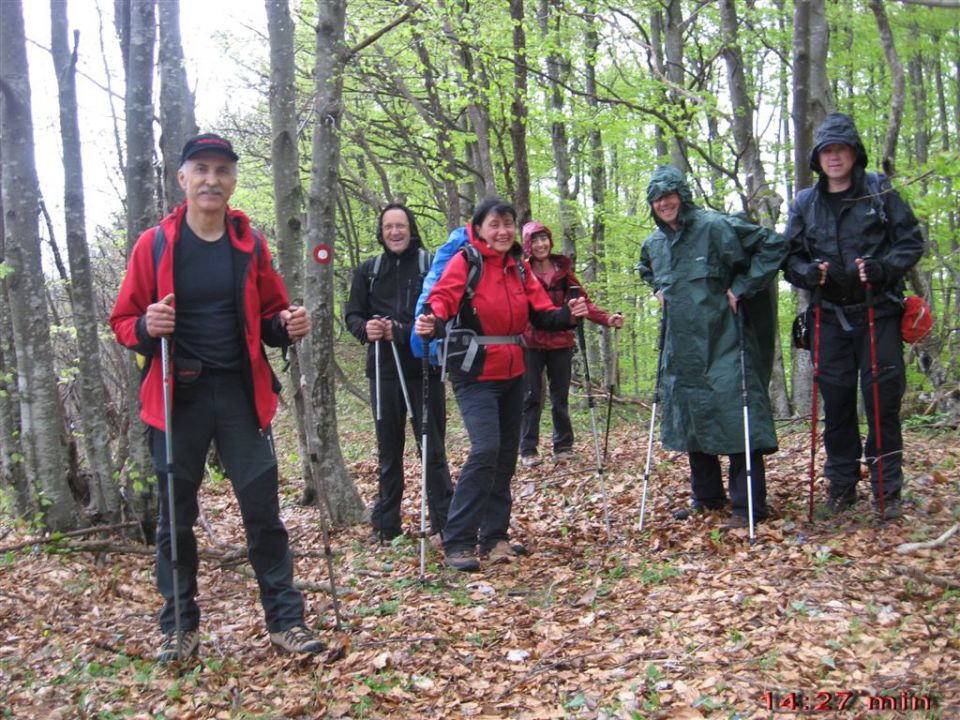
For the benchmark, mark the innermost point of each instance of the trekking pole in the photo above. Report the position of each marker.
(321, 484)
(814, 410)
(377, 418)
(610, 388)
(376, 375)
(165, 361)
(406, 393)
(746, 417)
(424, 432)
(875, 376)
(653, 416)
(574, 294)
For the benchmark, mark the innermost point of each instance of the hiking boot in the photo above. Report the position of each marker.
(688, 512)
(736, 522)
(502, 552)
(462, 560)
(374, 537)
(297, 640)
(435, 541)
(838, 503)
(892, 508)
(562, 456)
(531, 461)
(188, 647)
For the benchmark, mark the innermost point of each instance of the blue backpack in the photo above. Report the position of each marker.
(458, 340)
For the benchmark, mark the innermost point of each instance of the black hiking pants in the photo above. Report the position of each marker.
(391, 439)
(706, 480)
(845, 359)
(217, 407)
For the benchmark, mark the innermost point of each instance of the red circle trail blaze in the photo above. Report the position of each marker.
(322, 254)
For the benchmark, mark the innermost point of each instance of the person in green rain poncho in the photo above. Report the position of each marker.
(705, 267)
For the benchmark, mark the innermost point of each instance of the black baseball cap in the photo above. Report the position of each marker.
(207, 142)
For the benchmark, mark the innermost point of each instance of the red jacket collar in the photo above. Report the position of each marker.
(238, 226)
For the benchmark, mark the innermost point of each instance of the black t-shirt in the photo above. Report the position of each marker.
(208, 328)
(837, 200)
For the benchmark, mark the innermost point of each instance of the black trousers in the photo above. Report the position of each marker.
(218, 407)
(845, 360)
(391, 439)
(482, 504)
(706, 480)
(557, 363)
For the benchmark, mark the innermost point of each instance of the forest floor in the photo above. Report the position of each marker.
(679, 621)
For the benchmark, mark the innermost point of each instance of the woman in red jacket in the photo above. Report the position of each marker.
(490, 392)
(551, 350)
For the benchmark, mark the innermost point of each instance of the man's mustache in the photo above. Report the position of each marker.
(211, 191)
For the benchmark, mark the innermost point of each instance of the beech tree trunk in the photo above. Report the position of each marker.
(177, 120)
(104, 493)
(518, 115)
(141, 197)
(673, 50)
(12, 469)
(316, 351)
(762, 201)
(288, 199)
(889, 159)
(557, 69)
(41, 416)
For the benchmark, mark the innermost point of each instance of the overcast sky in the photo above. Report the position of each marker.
(214, 80)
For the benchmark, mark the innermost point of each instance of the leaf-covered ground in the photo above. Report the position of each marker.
(681, 621)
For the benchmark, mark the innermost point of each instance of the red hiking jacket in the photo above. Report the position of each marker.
(261, 297)
(503, 304)
(558, 290)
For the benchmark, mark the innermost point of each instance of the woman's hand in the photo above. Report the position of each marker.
(616, 321)
(578, 307)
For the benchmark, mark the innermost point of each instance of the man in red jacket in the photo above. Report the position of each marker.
(203, 278)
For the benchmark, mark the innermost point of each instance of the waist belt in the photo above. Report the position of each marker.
(841, 310)
(473, 347)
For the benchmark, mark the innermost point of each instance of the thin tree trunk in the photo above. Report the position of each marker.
(518, 115)
(557, 68)
(140, 35)
(656, 47)
(673, 48)
(12, 471)
(104, 493)
(177, 120)
(598, 173)
(346, 506)
(897, 92)
(762, 200)
(288, 195)
(41, 416)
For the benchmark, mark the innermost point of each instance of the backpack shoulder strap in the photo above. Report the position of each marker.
(425, 258)
(374, 273)
(258, 241)
(474, 268)
(159, 245)
(877, 186)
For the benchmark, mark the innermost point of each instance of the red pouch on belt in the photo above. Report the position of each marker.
(917, 320)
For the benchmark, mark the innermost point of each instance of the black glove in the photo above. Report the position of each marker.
(811, 275)
(875, 271)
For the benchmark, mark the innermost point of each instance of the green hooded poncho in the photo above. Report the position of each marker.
(693, 266)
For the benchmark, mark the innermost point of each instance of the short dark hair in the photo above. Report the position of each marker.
(495, 205)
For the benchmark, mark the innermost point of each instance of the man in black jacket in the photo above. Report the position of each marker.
(848, 231)
(384, 291)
